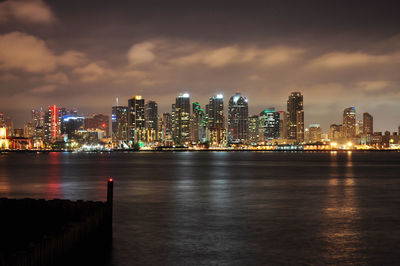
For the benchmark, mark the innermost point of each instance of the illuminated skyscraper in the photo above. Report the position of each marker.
(269, 124)
(254, 130)
(335, 132)
(315, 133)
(368, 124)
(98, 122)
(181, 119)
(238, 119)
(119, 123)
(52, 124)
(349, 122)
(282, 124)
(136, 119)
(167, 128)
(71, 124)
(151, 120)
(295, 116)
(198, 124)
(215, 113)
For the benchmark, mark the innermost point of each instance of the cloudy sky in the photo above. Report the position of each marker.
(85, 53)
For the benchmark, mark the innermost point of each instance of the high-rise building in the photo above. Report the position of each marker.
(119, 123)
(98, 122)
(238, 119)
(315, 133)
(282, 124)
(151, 121)
(167, 128)
(295, 116)
(334, 132)
(216, 119)
(136, 119)
(368, 124)
(198, 124)
(181, 119)
(254, 131)
(52, 124)
(349, 122)
(29, 130)
(71, 124)
(269, 124)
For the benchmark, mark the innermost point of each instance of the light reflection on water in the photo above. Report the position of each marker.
(227, 208)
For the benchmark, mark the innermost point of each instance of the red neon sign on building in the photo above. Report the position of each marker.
(54, 121)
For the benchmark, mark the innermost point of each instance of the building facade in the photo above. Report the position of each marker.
(295, 117)
(349, 122)
(238, 123)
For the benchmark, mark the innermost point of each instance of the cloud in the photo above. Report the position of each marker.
(255, 77)
(25, 52)
(20, 51)
(8, 77)
(141, 53)
(217, 57)
(343, 59)
(59, 78)
(91, 72)
(373, 86)
(43, 89)
(26, 11)
(281, 55)
(71, 58)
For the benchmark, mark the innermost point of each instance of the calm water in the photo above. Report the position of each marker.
(230, 208)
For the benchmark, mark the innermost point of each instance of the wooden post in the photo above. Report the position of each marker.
(110, 188)
(110, 195)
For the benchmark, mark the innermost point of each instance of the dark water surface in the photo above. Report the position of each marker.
(229, 208)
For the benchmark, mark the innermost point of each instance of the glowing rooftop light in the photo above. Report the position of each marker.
(185, 95)
(219, 96)
(138, 97)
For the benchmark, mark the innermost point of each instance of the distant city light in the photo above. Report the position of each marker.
(219, 96)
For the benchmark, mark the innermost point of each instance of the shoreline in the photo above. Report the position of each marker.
(189, 150)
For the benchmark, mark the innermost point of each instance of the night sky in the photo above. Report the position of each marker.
(85, 53)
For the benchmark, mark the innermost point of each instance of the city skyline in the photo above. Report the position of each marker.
(63, 53)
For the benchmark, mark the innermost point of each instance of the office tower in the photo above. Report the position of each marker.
(295, 117)
(71, 124)
(238, 119)
(282, 124)
(215, 113)
(269, 124)
(151, 120)
(368, 124)
(349, 122)
(359, 127)
(315, 133)
(119, 123)
(254, 136)
(386, 139)
(98, 122)
(160, 136)
(29, 130)
(334, 132)
(52, 124)
(198, 124)
(181, 119)
(167, 128)
(136, 119)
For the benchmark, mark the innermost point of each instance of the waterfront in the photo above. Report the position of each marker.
(229, 208)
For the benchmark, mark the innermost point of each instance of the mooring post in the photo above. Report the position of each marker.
(110, 190)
